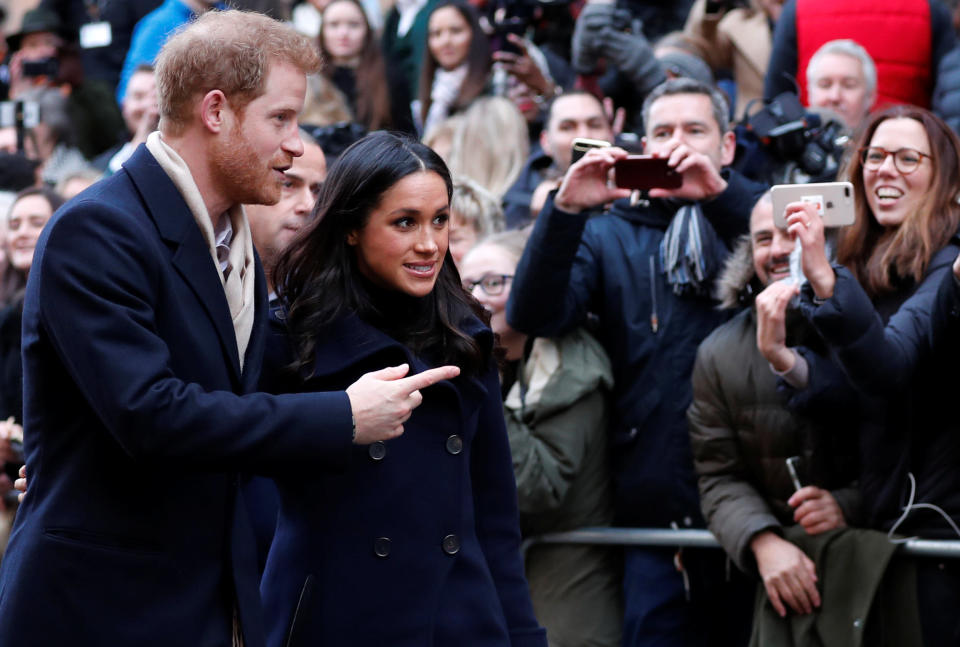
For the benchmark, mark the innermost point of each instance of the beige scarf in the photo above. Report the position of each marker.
(239, 283)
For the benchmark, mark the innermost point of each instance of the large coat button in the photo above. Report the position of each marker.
(451, 544)
(454, 444)
(381, 546)
(377, 450)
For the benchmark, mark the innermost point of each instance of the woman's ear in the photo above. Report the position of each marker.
(352, 238)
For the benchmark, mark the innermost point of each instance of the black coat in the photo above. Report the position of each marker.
(609, 265)
(887, 349)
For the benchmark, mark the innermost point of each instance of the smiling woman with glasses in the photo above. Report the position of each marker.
(906, 160)
(883, 317)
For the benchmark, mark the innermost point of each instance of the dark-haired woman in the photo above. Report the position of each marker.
(456, 63)
(375, 93)
(877, 314)
(28, 215)
(417, 543)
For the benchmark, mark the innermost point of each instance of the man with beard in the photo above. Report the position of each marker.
(743, 428)
(144, 325)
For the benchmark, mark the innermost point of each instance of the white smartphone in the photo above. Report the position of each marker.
(832, 200)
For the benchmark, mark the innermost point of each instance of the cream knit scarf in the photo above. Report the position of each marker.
(239, 284)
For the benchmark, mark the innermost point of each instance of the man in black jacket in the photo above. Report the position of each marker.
(644, 269)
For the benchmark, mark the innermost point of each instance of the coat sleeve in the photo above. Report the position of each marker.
(782, 69)
(878, 359)
(735, 511)
(498, 525)
(556, 277)
(98, 287)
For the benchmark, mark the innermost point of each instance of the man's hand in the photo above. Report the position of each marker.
(701, 178)
(383, 400)
(788, 575)
(771, 325)
(587, 183)
(805, 224)
(21, 483)
(816, 510)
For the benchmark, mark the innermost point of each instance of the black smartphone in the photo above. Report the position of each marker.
(645, 172)
(514, 26)
(44, 67)
(582, 144)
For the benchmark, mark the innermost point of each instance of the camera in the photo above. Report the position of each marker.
(49, 67)
(784, 144)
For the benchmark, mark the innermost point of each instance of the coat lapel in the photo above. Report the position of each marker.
(191, 256)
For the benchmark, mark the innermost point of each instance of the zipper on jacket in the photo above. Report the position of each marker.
(654, 320)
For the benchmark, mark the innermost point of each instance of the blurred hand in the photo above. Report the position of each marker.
(523, 67)
(701, 179)
(789, 576)
(816, 510)
(587, 183)
(617, 117)
(806, 225)
(771, 324)
(383, 400)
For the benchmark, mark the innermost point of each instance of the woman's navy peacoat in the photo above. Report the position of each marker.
(417, 542)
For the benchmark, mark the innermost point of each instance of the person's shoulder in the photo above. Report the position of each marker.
(727, 336)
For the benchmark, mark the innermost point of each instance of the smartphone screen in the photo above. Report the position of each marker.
(645, 172)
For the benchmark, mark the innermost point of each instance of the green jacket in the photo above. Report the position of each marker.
(557, 424)
(867, 598)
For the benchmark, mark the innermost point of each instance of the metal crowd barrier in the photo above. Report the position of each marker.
(700, 539)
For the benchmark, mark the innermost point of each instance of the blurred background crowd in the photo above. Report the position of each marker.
(661, 366)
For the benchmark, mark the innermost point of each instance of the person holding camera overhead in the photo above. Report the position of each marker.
(649, 284)
(45, 55)
(876, 311)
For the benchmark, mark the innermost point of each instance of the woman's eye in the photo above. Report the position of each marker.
(441, 219)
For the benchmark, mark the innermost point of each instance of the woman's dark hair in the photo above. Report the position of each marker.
(373, 93)
(54, 199)
(878, 256)
(13, 280)
(317, 275)
(478, 61)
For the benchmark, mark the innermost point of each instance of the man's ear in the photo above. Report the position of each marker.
(545, 143)
(728, 148)
(215, 112)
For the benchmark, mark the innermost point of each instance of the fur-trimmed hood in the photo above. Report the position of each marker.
(736, 285)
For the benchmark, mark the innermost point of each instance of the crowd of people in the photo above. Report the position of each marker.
(311, 312)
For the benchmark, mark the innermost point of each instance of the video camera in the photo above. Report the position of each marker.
(806, 147)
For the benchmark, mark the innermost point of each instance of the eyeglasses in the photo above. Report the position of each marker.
(491, 284)
(906, 160)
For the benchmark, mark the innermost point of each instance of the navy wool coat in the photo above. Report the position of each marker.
(136, 417)
(417, 543)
